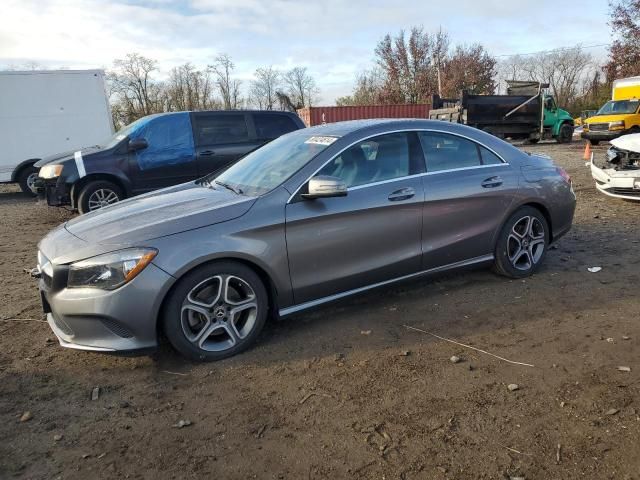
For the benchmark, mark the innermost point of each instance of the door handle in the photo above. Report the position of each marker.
(206, 153)
(402, 194)
(492, 182)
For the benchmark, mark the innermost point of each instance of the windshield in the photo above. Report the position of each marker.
(619, 107)
(267, 167)
(124, 132)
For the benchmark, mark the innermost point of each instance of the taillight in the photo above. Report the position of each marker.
(563, 173)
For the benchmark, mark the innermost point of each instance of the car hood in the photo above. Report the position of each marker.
(66, 156)
(158, 214)
(627, 142)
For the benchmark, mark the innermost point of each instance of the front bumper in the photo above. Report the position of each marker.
(617, 183)
(55, 191)
(119, 320)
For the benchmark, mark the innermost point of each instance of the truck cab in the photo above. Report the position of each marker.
(557, 122)
(619, 116)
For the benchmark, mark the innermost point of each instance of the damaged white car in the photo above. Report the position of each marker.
(619, 176)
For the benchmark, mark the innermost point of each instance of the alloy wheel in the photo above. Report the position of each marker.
(101, 198)
(31, 180)
(526, 243)
(219, 312)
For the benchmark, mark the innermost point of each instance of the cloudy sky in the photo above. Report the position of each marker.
(333, 38)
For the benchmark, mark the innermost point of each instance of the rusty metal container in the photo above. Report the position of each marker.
(318, 115)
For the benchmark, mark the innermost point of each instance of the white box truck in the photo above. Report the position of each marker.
(48, 112)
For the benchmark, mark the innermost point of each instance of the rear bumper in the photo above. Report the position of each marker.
(617, 183)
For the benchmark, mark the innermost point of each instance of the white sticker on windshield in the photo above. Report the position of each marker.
(322, 140)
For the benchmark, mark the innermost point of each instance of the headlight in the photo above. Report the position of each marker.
(50, 171)
(616, 125)
(612, 153)
(111, 270)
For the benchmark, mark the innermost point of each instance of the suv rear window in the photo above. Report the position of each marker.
(216, 129)
(272, 125)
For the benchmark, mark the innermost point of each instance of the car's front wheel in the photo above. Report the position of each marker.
(98, 194)
(215, 311)
(522, 244)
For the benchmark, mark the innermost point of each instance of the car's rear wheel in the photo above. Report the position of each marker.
(594, 142)
(26, 178)
(522, 244)
(216, 311)
(98, 194)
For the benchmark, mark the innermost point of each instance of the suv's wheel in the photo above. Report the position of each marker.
(26, 177)
(215, 311)
(522, 244)
(98, 194)
(594, 142)
(565, 135)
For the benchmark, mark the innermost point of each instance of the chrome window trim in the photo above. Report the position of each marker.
(313, 303)
(407, 130)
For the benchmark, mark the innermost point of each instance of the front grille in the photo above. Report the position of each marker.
(599, 127)
(117, 328)
(632, 192)
(62, 325)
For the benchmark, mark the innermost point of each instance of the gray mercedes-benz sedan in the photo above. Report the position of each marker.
(316, 215)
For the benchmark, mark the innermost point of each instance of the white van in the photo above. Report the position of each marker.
(48, 112)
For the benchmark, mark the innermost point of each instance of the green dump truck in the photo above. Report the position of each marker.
(527, 112)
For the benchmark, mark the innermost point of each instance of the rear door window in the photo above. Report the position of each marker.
(170, 141)
(270, 126)
(448, 152)
(220, 129)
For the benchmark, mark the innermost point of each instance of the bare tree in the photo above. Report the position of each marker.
(367, 90)
(301, 87)
(133, 89)
(188, 88)
(263, 88)
(229, 87)
(566, 71)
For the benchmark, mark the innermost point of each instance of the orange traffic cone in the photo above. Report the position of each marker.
(587, 152)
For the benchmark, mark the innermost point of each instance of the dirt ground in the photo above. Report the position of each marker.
(347, 391)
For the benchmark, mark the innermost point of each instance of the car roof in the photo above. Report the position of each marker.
(268, 112)
(340, 129)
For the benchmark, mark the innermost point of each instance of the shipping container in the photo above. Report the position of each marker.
(318, 115)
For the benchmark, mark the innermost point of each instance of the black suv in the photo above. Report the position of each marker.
(157, 151)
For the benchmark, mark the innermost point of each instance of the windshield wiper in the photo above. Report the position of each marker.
(237, 191)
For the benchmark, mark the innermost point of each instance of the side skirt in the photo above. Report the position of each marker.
(313, 303)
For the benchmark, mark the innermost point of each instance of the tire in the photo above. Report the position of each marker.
(535, 232)
(198, 317)
(533, 140)
(594, 142)
(97, 194)
(565, 135)
(25, 178)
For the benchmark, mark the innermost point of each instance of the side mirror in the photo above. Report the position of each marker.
(325, 186)
(137, 144)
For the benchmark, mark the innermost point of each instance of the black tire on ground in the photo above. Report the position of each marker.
(174, 321)
(25, 177)
(565, 135)
(93, 191)
(508, 262)
(594, 142)
(533, 140)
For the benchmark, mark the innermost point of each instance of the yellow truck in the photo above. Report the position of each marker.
(619, 116)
